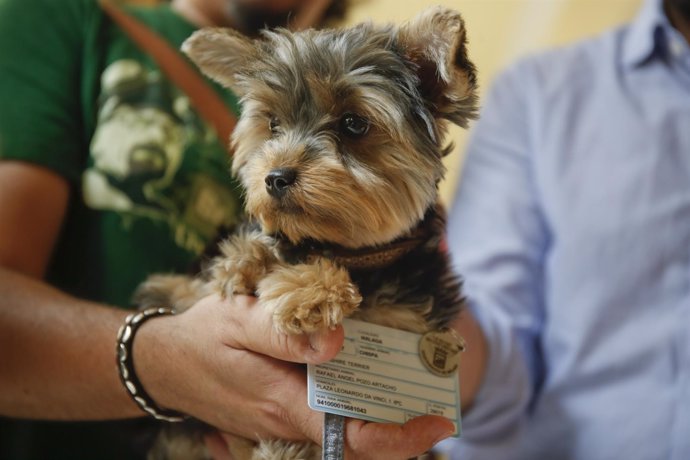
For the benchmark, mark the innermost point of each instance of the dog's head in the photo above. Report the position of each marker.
(340, 138)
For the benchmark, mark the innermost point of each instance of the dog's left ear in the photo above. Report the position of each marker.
(223, 55)
(435, 43)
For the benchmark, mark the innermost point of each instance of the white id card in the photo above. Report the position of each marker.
(379, 376)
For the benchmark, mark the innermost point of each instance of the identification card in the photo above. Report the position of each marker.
(379, 375)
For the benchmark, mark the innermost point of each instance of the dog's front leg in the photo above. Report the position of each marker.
(245, 259)
(305, 298)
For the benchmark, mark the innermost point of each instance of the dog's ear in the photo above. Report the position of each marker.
(435, 43)
(222, 54)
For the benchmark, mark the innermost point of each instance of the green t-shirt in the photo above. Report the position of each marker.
(150, 180)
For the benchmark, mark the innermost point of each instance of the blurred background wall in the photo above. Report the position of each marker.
(500, 31)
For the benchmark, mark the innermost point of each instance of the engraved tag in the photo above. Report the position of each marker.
(440, 351)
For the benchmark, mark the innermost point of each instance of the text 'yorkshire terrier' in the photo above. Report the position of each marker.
(339, 149)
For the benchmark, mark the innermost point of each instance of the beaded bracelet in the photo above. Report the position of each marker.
(125, 365)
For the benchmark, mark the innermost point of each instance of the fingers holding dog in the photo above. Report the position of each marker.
(251, 327)
(243, 324)
(218, 378)
(366, 440)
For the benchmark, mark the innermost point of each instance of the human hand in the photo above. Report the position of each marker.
(222, 362)
(418, 437)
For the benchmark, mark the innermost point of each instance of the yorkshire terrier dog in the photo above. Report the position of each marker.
(339, 150)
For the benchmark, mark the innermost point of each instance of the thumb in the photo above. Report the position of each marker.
(257, 333)
(411, 439)
(217, 446)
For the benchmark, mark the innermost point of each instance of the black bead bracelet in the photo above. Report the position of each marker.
(125, 365)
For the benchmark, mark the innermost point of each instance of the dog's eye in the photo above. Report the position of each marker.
(354, 125)
(274, 124)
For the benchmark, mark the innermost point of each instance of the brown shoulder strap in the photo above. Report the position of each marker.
(204, 99)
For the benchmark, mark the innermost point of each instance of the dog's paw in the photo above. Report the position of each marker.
(308, 297)
(229, 280)
(243, 262)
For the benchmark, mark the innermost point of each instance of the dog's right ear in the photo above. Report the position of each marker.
(222, 54)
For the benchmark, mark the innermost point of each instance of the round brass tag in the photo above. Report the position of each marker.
(440, 351)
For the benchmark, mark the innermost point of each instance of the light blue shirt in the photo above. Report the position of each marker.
(571, 226)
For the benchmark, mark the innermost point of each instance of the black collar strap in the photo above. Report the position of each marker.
(370, 257)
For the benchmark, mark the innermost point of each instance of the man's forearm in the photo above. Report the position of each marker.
(57, 354)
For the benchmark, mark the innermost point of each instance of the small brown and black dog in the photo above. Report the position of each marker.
(339, 149)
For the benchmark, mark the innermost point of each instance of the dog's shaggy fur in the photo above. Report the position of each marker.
(339, 149)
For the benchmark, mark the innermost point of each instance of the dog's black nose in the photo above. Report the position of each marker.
(279, 180)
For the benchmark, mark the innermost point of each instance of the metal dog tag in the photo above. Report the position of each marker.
(440, 351)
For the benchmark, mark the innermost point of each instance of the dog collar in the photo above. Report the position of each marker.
(371, 257)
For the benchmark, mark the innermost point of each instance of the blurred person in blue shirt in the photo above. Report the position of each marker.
(571, 226)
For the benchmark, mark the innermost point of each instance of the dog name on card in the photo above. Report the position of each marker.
(387, 375)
